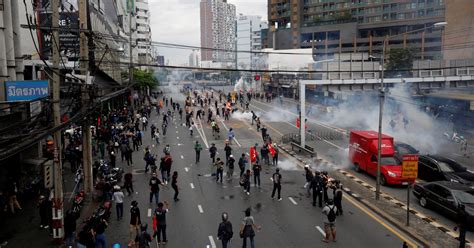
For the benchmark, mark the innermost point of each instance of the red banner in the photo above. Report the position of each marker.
(253, 155)
(271, 150)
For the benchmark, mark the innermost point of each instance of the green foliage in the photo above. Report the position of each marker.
(144, 78)
(400, 61)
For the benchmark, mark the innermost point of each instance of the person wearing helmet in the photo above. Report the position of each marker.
(230, 166)
(225, 233)
(143, 239)
(118, 199)
(330, 211)
(276, 184)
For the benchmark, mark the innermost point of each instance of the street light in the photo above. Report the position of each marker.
(382, 97)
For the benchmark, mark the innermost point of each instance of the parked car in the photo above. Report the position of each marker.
(404, 149)
(437, 168)
(446, 197)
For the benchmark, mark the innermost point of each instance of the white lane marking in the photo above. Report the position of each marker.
(203, 135)
(213, 244)
(192, 185)
(293, 200)
(329, 142)
(177, 137)
(186, 169)
(149, 212)
(176, 131)
(321, 231)
(200, 209)
(182, 157)
(247, 154)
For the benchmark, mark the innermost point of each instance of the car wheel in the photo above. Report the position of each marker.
(357, 167)
(383, 180)
(423, 202)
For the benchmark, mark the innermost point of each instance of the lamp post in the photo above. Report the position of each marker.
(382, 98)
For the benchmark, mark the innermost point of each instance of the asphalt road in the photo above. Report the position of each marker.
(193, 221)
(336, 151)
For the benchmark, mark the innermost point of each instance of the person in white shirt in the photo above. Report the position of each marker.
(118, 199)
(144, 123)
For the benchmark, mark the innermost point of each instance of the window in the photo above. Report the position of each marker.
(441, 191)
(1, 5)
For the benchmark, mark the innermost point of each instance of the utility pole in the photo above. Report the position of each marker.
(86, 128)
(130, 68)
(58, 219)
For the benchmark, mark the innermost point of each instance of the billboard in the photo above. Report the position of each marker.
(69, 29)
(26, 90)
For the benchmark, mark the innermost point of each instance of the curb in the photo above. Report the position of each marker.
(375, 209)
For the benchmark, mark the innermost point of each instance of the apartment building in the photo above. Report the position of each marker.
(218, 27)
(249, 38)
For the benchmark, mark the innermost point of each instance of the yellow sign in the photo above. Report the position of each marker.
(410, 167)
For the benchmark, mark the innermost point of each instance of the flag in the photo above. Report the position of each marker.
(271, 150)
(298, 122)
(253, 155)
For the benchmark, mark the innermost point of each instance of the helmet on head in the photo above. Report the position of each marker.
(225, 216)
(134, 203)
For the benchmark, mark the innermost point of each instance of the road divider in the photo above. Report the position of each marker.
(149, 212)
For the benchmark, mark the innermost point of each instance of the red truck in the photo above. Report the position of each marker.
(363, 149)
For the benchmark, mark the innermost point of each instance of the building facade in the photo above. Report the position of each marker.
(249, 38)
(143, 32)
(218, 27)
(334, 26)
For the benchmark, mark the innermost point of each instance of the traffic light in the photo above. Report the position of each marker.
(257, 77)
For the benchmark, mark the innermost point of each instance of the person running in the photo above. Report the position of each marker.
(198, 149)
(219, 169)
(118, 199)
(247, 229)
(242, 164)
(224, 232)
(330, 211)
(212, 152)
(155, 188)
(159, 222)
(174, 185)
(143, 239)
(231, 136)
(256, 174)
(276, 184)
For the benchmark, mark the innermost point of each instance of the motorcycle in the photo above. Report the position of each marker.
(102, 213)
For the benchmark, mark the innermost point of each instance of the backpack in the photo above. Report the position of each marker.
(332, 214)
(142, 240)
(227, 232)
(276, 178)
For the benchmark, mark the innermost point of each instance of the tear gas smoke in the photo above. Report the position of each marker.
(288, 165)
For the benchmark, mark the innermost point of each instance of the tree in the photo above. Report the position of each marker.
(144, 78)
(400, 62)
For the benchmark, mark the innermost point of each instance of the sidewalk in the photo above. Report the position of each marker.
(22, 228)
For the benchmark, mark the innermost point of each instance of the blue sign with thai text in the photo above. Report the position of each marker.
(26, 90)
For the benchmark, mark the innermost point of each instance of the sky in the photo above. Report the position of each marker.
(178, 22)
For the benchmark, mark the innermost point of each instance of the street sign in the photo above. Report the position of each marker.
(410, 167)
(28, 90)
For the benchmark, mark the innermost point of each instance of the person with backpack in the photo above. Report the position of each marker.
(276, 184)
(317, 186)
(330, 211)
(247, 229)
(159, 222)
(338, 197)
(225, 233)
(198, 149)
(242, 164)
(143, 239)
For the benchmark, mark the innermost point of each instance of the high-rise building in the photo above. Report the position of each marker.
(249, 38)
(218, 28)
(333, 26)
(143, 31)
